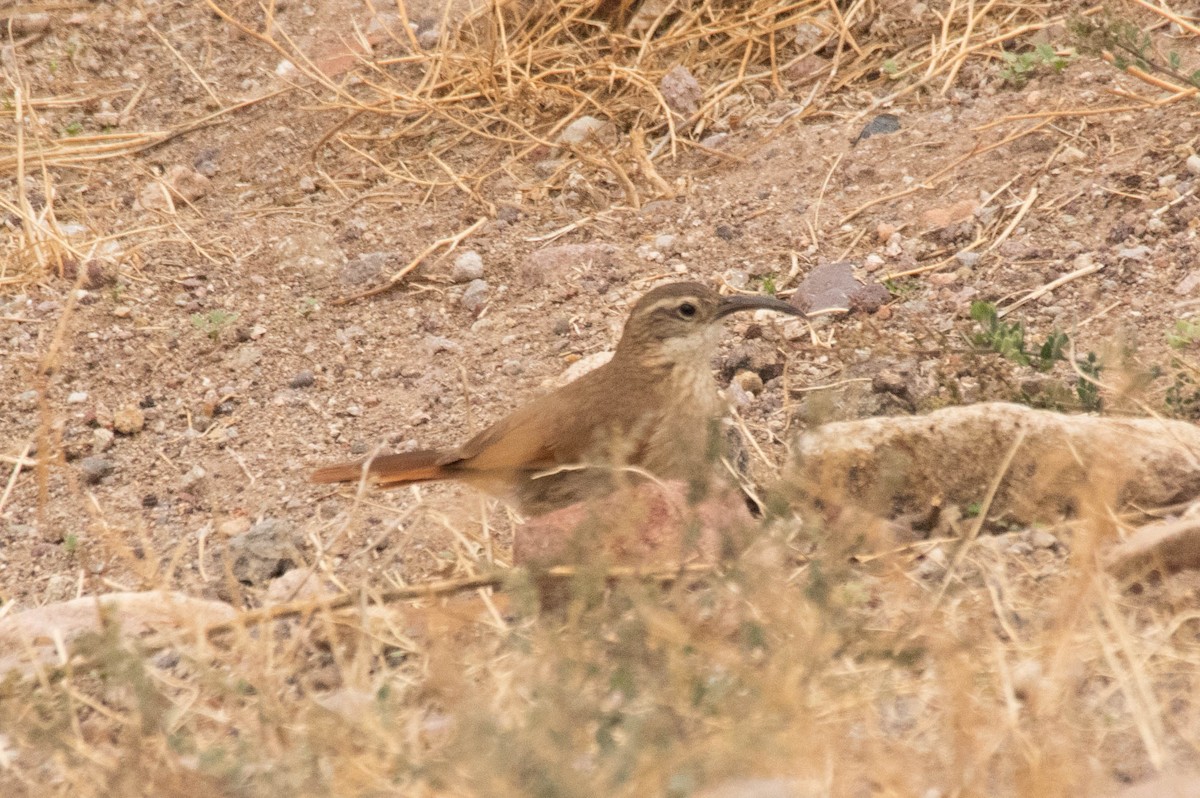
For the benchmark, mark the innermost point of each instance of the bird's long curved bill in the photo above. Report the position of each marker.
(739, 302)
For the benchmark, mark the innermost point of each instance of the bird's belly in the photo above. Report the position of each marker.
(541, 492)
(686, 442)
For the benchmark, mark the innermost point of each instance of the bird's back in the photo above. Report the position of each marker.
(576, 423)
(612, 417)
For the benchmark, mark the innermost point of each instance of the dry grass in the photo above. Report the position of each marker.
(491, 100)
(1032, 675)
(40, 247)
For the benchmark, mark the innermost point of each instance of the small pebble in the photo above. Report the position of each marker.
(101, 439)
(129, 420)
(1026, 678)
(95, 468)
(968, 259)
(586, 128)
(26, 24)
(749, 381)
(19, 531)
(233, 526)
(436, 343)
(1072, 155)
(1132, 253)
(1020, 548)
(364, 269)
(1042, 539)
(266, 551)
(738, 397)
(77, 398)
(681, 91)
(303, 379)
(428, 38)
(933, 564)
(467, 267)
(737, 278)
(1193, 164)
(889, 381)
(475, 297)
(206, 162)
(192, 478)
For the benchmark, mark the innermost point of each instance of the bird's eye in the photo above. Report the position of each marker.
(687, 310)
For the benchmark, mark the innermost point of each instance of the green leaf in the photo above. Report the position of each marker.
(1052, 351)
(984, 312)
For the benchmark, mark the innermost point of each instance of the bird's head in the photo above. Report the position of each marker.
(678, 322)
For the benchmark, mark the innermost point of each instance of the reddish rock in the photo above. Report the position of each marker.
(961, 211)
(834, 286)
(681, 90)
(647, 524)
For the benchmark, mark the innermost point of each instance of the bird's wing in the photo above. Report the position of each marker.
(554, 430)
(524, 440)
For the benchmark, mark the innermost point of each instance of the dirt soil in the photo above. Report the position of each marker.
(205, 331)
(217, 319)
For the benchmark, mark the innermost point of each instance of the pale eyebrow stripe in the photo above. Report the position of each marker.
(671, 302)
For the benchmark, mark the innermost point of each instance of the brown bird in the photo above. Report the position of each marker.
(654, 406)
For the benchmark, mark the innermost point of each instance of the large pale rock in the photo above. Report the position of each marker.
(34, 636)
(1064, 463)
(1165, 785)
(766, 788)
(1166, 546)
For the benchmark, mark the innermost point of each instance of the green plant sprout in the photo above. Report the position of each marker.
(213, 322)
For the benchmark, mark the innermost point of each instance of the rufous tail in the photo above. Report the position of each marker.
(388, 470)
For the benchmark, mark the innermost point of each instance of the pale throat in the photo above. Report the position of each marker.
(689, 361)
